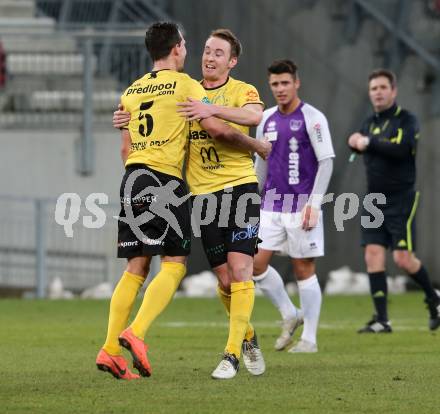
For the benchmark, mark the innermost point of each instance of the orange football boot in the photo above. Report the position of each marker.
(138, 350)
(115, 365)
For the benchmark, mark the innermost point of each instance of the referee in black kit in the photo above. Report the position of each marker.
(388, 141)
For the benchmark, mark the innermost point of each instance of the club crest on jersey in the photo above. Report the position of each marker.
(295, 124)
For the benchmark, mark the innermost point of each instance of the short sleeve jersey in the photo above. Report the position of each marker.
(213, 165)
(158, 133)
(299, 141)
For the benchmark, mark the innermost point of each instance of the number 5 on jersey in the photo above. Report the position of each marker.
(145, 130)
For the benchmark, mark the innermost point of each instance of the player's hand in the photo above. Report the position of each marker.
(193, 109)
(264, 147)
(120, 117)
(310, 216)
(358, 142)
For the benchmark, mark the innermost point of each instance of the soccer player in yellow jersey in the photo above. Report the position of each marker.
(225, 173)
(154, 217)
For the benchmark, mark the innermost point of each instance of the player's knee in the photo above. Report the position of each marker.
(240, 271)
(403, 260)
(223, 278)
(139, 267)
(373, 257)
(304, 269)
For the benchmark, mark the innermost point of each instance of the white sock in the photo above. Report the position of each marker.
(272, 285)
(311, 298)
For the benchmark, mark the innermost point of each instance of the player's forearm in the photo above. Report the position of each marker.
(237, 139)
(322, 180)
(124, 155)
(260, 171)
(389, 149)
(125, 145)
(241, 116)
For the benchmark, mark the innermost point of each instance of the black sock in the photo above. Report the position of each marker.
(422, 278)
(379, 292)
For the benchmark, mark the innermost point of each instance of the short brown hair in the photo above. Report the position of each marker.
(377, 73)
(283, 66)
(160, 38)
(230, 37)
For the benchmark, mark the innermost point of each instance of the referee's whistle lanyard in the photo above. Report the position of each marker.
(373, 132)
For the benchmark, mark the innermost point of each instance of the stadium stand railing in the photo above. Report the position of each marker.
(34, 249)
(44, 76)
(44, 57)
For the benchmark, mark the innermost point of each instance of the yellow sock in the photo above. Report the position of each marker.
(157, 296)
(121, 304)
(242, 303)
(226, 300)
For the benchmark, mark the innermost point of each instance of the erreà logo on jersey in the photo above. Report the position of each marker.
(317, 129)
(293, 161)
(271, 126)
(163, 88)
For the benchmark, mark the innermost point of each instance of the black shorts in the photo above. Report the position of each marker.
(233, 229)
(154, 219)
(398, 230)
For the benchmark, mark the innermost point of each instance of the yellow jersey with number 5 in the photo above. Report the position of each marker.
(159, 135)
(213, 165)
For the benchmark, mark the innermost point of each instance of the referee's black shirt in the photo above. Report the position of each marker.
(390, 155)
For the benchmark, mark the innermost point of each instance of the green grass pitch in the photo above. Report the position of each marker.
(48, 351)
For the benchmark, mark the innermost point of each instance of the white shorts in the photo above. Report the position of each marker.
(282, 232)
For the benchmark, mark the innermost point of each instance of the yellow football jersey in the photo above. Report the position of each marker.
(158, 133)
(213, 165)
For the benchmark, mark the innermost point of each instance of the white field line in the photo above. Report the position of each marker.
(277, 324)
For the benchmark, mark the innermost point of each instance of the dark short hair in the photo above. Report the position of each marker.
(160, 38)
(230, 37)
(377, 73)
(283, 66)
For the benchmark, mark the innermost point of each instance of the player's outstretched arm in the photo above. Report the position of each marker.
(248, 115)
(222, 132)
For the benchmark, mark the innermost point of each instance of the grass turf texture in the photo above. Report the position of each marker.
(48, 351)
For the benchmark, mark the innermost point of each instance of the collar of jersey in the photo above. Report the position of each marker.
(217, 87)
(156, 71)
(388, 113)
(301, 104)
